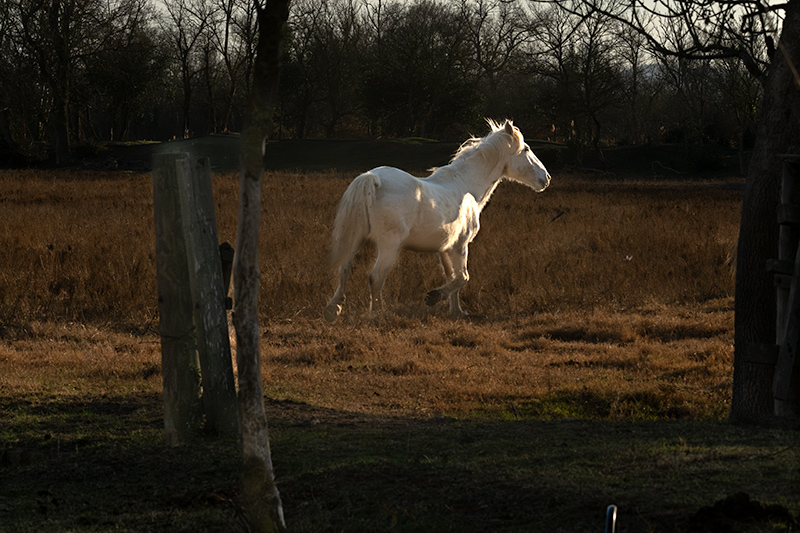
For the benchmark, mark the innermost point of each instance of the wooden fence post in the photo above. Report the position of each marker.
(208, 293)
(179, 362)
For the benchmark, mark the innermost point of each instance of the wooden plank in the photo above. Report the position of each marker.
(179, 364)
(787, 355)
(782, 281)
(788, 235)
(210, 317)
(780, 266)
(789, 215)
(785, 382)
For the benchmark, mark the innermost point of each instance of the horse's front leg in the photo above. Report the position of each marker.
(460, 278)
(454, 263)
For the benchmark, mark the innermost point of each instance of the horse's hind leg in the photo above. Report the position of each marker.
(334, 307)
(387, 254)
(437, 295)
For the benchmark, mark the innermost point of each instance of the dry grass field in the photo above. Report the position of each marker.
(598, 301)
(594, 299)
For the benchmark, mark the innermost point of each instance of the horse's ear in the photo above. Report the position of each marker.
(515, 134)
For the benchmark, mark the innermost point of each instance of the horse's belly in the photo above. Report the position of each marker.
(436, 240)
(427, 242)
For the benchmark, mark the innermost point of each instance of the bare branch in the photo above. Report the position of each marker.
(700, 29)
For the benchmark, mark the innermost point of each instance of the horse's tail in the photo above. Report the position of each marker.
(351, 226)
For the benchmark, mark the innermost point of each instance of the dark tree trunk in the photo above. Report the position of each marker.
(261, 499)
(5, 127)
(60, 126)
(778, 132)
(187, 96)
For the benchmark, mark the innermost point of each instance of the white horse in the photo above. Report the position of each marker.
(438, 214)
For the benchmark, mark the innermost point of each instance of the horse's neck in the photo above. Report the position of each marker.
(479, 179)
(488, 194)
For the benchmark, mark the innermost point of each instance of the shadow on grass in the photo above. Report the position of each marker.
(99, 464)
(636, 406)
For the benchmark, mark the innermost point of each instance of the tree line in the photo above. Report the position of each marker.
(75, 73)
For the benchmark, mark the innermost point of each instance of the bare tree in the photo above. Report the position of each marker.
(296, 103)
(548, 55)
(738, 29)
(633, 56)
(419, 75)
(246, 31)
(8, 60)
(228, 48)
(324, 64)
(185, 23)
(58, 34)
(598, 74)
(128, 72)
(582, 61)
(339, 63)
(743, 96)
(496, 31)
(64, 53)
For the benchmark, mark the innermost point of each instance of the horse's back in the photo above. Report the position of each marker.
(421, 214)
(394, 176)
(398, 190)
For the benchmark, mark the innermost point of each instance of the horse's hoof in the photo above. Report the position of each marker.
(332, 312)
(433, 297)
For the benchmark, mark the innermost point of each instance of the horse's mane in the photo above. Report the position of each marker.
(493, 142)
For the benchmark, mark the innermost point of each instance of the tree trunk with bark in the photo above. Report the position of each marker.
(778, 133)
(262, 501)
(59, 19)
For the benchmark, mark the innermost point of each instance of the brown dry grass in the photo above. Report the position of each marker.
(79, 247)
(656, 362)
(595, 299)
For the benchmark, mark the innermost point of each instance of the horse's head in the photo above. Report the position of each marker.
(523, 166)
